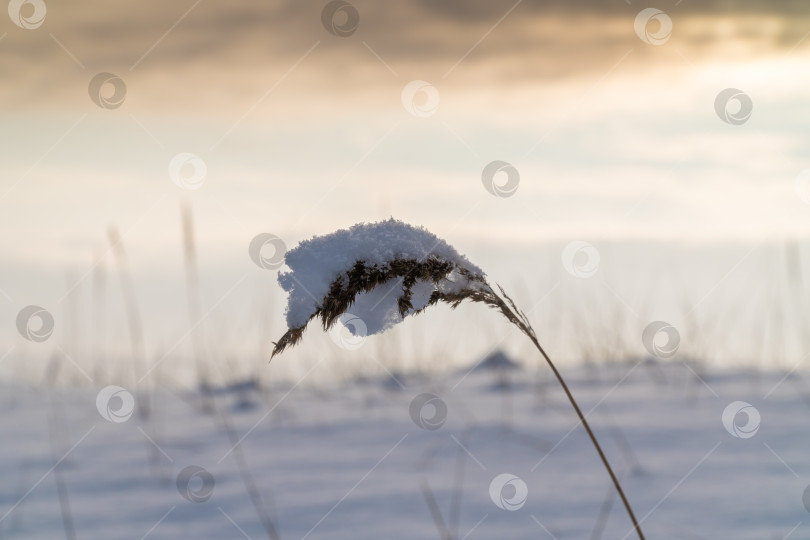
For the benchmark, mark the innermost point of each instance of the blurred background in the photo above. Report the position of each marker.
(145, 144)
(635, 176)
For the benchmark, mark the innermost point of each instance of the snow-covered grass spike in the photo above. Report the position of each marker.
(383, 271)
(386, 271)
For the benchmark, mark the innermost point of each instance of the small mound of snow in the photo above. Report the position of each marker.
(496, 361)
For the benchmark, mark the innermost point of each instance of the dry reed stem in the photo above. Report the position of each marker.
(362, 278)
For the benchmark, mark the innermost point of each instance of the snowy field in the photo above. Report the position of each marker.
(353, 462)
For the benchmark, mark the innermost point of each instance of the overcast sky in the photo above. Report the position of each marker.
(294, 129)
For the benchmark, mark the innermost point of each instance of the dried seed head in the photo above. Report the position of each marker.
(437, 275)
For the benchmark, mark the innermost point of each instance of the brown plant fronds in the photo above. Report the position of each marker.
(362, 278)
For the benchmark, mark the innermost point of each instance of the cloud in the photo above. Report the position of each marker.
(212, 58)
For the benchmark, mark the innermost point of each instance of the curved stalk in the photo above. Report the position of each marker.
(519, 319)
(596, 445)
(406, 272)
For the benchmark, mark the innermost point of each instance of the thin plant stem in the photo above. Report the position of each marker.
(604, 512)
(595, 442)
(58, 471)
(509, 309)
(460, 474)
(195, 307)
(363, 278)
(435, 513)
(247, 476)
(133, 317)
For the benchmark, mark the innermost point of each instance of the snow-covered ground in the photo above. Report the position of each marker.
(353, 462)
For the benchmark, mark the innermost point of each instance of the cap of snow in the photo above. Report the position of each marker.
(316, 263)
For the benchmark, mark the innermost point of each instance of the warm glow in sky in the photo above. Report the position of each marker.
(296, 131)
